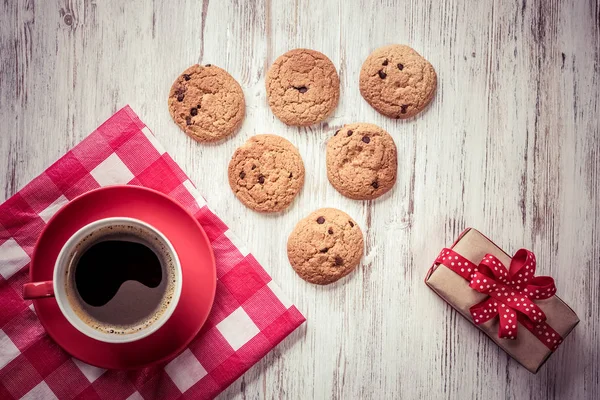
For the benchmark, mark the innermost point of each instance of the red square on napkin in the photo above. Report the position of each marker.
(249, 317)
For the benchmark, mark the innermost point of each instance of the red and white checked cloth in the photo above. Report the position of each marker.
(249, 317)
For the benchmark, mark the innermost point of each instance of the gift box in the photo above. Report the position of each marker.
(503, 297)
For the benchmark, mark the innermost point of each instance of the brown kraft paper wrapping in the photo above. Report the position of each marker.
(454, 289)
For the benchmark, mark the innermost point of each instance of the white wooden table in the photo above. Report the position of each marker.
(510, 145)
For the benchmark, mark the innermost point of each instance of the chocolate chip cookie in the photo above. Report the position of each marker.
(207, 103)
(266, 173)
(325, 246)
(397, 82)
(362, 161)
(303, 87)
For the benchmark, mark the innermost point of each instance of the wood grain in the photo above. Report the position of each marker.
(510, 145)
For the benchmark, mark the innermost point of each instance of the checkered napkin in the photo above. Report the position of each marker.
(249, 317)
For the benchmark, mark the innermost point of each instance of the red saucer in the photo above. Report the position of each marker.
(190, 243)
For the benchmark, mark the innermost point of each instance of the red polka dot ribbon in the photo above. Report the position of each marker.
(511, 293)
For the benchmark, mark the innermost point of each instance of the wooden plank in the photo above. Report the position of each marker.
(509, 145)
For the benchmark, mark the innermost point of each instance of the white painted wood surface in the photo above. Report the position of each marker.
(510, 146)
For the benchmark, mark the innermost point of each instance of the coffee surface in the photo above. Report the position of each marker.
(120, 279)
(106, 265)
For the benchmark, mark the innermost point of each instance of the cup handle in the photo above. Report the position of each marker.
(37, 290)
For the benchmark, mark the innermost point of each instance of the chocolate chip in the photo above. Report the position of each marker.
(261, 179)
(324, 250)
(349, 133)
(320, 220)
(194, 112)
(351, 224)
(400, 66)
(366, 139)
(242, 175)
(198, 106)
(403, 108)
(336, 132)
(180, 97)
(302, 89)
(186, 77)
(385, 62)
(253, 166)
(375, 185)
(330, 231)
(209, 65)
(188, 120)
(291, 175)
(382, 74)
(338, 260)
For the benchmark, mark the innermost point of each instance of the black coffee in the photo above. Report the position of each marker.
(121, 278)
(105, 266)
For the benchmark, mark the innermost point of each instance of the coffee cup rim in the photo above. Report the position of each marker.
(67, 310)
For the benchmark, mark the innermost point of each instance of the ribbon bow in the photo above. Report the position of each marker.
(511, 293)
